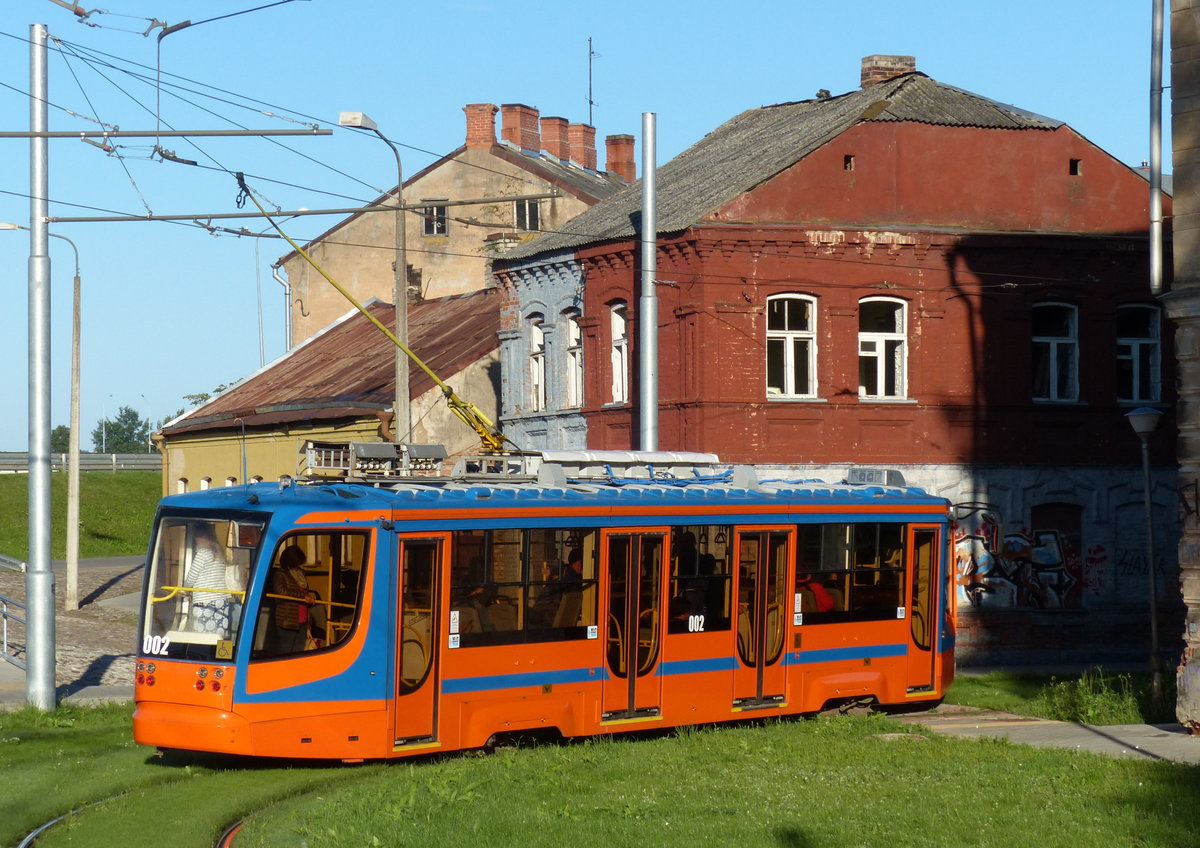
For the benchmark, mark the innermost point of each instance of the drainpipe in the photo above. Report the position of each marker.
(647, 315)
(287, 298)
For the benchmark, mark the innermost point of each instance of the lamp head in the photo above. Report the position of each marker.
(356, 119)
(1143, 420)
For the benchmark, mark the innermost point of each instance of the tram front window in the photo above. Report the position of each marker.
(199, 570)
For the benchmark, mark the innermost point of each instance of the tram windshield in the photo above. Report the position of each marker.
(199, 570)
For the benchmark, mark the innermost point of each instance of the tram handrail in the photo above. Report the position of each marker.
(5, 616)
(175, 590)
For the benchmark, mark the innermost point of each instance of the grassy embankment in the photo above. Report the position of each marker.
(825, 782)
(115, 512)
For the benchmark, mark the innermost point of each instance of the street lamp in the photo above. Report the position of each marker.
(71, 601)
(1144, 420)
(402, 404)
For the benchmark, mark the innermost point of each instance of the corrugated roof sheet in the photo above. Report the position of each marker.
(346, 370)
(754, 146)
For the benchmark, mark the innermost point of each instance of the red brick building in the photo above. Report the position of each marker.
(908, 275)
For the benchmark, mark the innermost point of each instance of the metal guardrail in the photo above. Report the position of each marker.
(12, 563)
(12, 462)
(5, 617)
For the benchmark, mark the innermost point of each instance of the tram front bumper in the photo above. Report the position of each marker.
(189, 727)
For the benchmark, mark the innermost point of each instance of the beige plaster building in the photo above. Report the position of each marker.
(449, 247)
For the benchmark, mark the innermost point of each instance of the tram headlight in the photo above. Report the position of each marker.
(218, 673)
(202, 673)
(149, 668)
(140, 665)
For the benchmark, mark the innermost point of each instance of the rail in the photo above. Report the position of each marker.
(12, 462)
(6, 615)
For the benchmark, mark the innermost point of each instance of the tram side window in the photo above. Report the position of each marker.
(700, 579)
(850, 572)
(312, 593)
(511, 586)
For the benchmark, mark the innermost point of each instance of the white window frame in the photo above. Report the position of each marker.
(434, 221)
(619, 351)
(783, 344)
(1142, 355)
(574, 353)
(537, 363)
(1061, 358)
(527, 215)
(887, 350)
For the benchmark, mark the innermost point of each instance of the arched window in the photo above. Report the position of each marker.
(791, 346)
(1055, 352)
(181, 485)
(882, 348)
(537, 364)
(620, 352)
(231, 481)
(1138, 354)
(574, 350)
(205, 483)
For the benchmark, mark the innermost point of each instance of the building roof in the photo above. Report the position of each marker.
(754, 146)
(347, 370)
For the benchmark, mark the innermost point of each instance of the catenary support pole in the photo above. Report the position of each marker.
(39, 579)
(1156, 93)
(647, 314)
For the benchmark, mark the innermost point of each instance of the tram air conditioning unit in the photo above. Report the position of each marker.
(874, 477)
(370, 460)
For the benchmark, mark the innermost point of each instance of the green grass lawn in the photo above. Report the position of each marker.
(1093, 697)
(849, 781)
(115, 512)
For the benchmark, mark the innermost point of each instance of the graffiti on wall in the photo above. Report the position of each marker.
(1037, 568)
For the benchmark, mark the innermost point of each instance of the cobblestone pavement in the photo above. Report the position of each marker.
(95, 644)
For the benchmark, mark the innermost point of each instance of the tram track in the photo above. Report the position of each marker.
(32, 837)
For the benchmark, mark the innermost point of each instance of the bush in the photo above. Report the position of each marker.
(1098, 698)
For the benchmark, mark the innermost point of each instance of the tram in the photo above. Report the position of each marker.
(580, 592)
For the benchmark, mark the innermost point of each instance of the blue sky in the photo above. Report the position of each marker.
(170, 309)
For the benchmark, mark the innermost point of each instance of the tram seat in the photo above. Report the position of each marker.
(569, 605)
(502, 616)
(839, 597)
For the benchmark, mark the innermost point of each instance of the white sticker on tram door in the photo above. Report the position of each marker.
(454, 640)
(453, 623)
(799, 606)
(899, 612)
(593, 631)
(797, 619)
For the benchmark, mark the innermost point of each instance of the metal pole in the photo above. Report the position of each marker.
(403, 401)
(39, 579)
(1156, 92)
(1155, 670)
(71, 601)
(647, 317)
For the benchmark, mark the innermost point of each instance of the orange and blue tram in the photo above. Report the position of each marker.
(577, 592)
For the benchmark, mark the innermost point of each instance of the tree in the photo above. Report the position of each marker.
(60, 439)
(128, 432)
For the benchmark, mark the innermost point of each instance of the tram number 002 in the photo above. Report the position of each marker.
(695, 624)
(156, 645)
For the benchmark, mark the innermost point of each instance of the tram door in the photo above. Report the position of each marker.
(417, 638)
(762, 612)
(923, 603)
(635, 570)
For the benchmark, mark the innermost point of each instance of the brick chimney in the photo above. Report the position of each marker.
(882, 68)
(582, 138)
(519, 126)
(554, 138)
(481, 124)
(619, 152)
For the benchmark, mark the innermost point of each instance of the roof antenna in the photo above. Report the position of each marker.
(591, 55)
